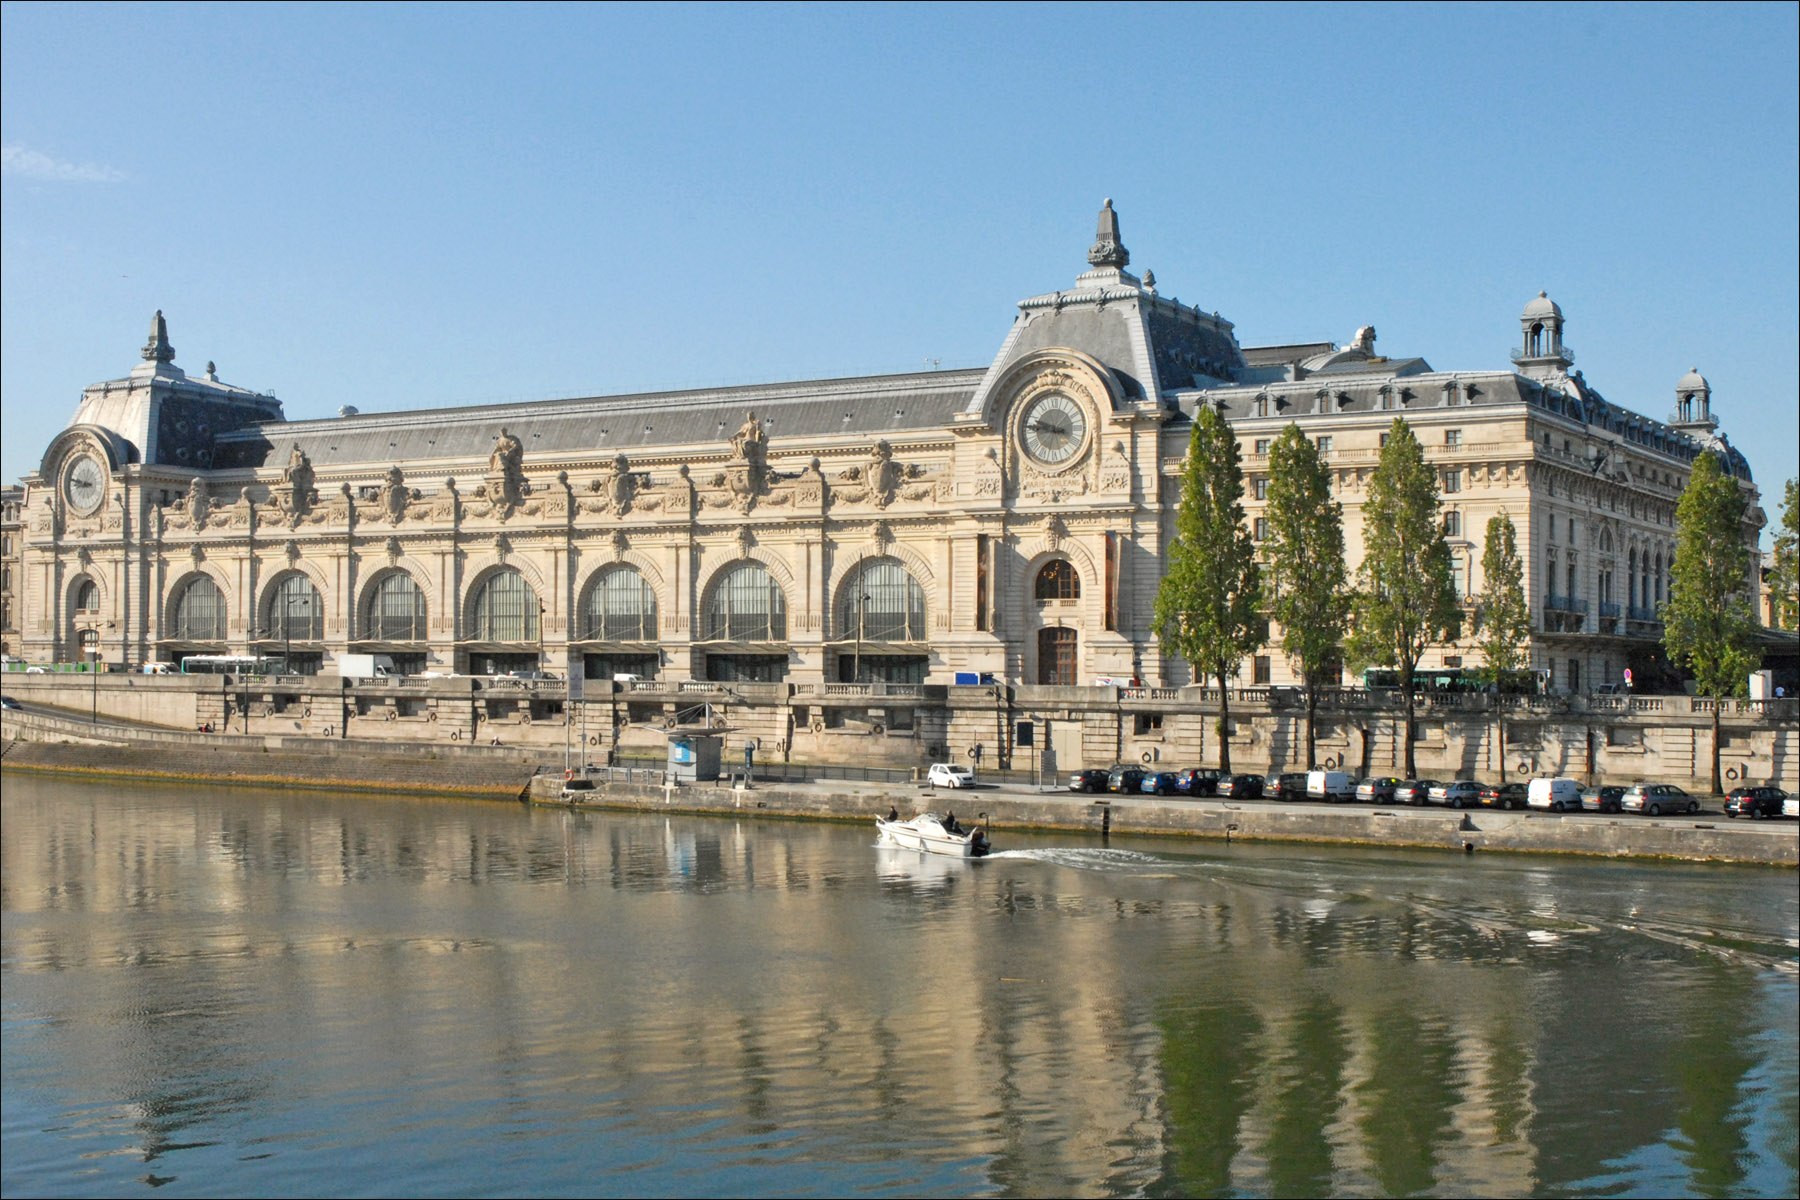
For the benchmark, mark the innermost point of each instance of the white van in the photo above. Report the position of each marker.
(1336, 786)
(159, 668)
(1557, 795)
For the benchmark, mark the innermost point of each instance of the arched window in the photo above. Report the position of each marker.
(506, 609)
(200, 612)
(620, 607)
(747, 605)
(396, 611)
(882, 602)
(296, 611)
(1058, 581)
(87, 596)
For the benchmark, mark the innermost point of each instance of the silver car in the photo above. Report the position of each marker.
(1463, 793)
(1655, 799)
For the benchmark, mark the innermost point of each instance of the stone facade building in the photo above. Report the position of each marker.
(899, 529)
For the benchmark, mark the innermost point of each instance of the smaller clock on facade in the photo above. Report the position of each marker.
(1054, 428)
(85, 485)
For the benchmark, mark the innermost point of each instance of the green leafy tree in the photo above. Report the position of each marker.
(1206, 607)
(1306, 580)
(1503, 614)
(1784, 580)
(1709, 622)
(1406, 599)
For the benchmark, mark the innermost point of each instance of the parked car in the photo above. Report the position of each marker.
(1158, 783)
(1414, 791)
(1557, 795)
(1655, 799)
(1458, 793)
(950, 775)
(1791, 807)
(1124, 779)
(1198, 781)
(1091, 780)
(1602, 800)
(1289, 785)
(1755, 802)
(1377, 789)
(1242, 787)
(1504, 795)
(8, 702)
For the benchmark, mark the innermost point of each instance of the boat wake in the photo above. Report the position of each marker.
(1085, 858)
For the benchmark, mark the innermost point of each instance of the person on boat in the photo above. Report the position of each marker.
(950, 825)
(893, 813)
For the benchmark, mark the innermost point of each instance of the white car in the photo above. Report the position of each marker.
(950, 775)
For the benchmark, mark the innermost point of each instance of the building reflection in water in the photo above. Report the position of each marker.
(1058, 1020)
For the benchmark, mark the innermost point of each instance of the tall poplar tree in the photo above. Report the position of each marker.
(1709, 621)
(1502, 613)
(1206, 606)
(1784, 579)
(1406, 599)
(1306, 577)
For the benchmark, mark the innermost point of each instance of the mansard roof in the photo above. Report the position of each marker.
(643, 423)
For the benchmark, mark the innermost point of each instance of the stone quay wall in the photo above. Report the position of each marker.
(1596, 739)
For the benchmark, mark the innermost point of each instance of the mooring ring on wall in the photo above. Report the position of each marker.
(593, 739)
(306, 712)
(972, 752)
(524, 718)
(1147, 756)
(432, 715)
(878, 727)
(1733, 773)
(456, 735)
(390, 715)
(1524, 768)
(1331, 762)
(817, 725)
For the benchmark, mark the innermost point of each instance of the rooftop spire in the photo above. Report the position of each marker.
(157, 349)
(1107, 250)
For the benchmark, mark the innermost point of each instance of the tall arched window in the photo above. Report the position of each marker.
(87, 596)
(882, 602)
(200, 612)
(296, 611)
(396, 611)
(1058, 581)
(620, 607)
(505, 610)
(747, 605)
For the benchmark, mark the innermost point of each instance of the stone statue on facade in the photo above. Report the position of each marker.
(750, 442)
(621, 487)
(506, 487)
(748, 478)
(1365, 340)
(395, 495)
(295, 495)
(197, 502)
(883, 474)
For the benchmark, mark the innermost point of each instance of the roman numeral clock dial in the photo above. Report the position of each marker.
(1054, 428)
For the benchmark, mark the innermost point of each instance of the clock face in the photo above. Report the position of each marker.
(85, 485)
(1054, 429)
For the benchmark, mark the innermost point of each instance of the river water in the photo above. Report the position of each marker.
(234, 992)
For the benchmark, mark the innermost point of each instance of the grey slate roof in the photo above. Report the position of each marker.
(655, 422)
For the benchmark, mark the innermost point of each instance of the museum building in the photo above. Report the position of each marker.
(1011, 520)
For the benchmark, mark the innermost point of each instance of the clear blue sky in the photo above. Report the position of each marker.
(411, 206)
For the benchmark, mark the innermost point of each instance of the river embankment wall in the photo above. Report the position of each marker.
(1596, 739)
(65, 746)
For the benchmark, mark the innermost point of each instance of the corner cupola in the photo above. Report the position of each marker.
(1693, 405)
(1541, 352)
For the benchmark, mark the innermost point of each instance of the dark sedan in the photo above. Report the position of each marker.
(1754, 802)
(1091, 780)
(1124, 779)
(1242, 787)
(1505, 795)
(1602, 800)
(1198, 781)
(1289, 785)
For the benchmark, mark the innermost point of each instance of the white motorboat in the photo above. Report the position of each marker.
(933, 834)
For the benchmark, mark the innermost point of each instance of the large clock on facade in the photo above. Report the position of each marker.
(1053, 429)
(84, 487)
